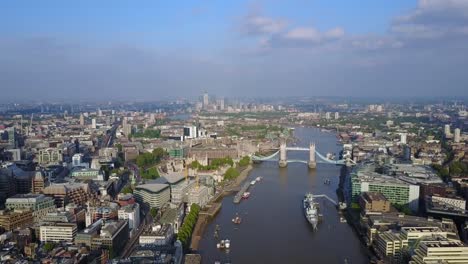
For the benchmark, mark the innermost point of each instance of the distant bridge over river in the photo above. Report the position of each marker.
(312, 162)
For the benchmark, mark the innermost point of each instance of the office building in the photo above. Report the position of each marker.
(395, 191)
(39, 204)
(440, 251)
(126, 127)
(113, 234)
(390, 243)
(403, 138)
(447, 131)
(7, 184)
(108, 211)
(456, 136)
(87, 174)
(131, 213)
(374, 202)
(93, 123)
(38, 183)
(15, 154)
(77, 161)
(157, 235)
(190, 132)
(64, 193)
(59, 217)
(12, 137)
(154, 195)
(206, 100)
(179, 192)
(12, 219)
(82, 121)
(199, 195)
(221, 104)
(399, 182)
(337, 115)
(50, 155)
(58, 232)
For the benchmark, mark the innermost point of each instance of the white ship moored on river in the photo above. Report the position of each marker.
(311, 210)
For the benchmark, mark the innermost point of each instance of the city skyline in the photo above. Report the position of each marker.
(51, 50)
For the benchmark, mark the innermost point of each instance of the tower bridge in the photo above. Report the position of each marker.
(311, 162)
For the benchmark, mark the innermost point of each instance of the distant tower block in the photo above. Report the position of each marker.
(283, 161)
(403, 138)
(447, 131)
(312, 162)
(456, 137)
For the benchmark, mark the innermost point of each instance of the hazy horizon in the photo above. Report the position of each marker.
(148, 50)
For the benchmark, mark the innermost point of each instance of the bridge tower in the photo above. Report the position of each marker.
(312, 163)
(283, 160)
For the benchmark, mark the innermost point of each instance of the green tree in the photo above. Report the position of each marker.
(231, 173)
(150, 174)
(49, 246)
(127, 189)
(154, 212)
(119, 147)
(245, 161)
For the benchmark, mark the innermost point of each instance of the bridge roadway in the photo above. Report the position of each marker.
(322, 159)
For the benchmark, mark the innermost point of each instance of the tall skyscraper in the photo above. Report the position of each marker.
(221, 104)
(12, 137)
(447, 130)
(81, 119)
(126, 128)
(403, 138)
(206, 100)
(93, 123)
(456, 137)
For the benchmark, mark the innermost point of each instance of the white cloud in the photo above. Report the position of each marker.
(303, 33)
(260, 25)
(433, 19)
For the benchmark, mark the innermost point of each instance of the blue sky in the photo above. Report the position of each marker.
(231, 46)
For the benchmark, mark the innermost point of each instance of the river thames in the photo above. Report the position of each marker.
(274, 228)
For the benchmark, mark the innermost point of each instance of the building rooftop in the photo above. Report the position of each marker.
(173, 178)
(153, 187)
(395, 174)
(374, 196)
(31, 198)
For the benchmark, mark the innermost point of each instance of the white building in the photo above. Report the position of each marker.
(403, 138)
(77, 161)
(93, 123)
(131, 213)
(199, 195)
(337, 115)
(447, 130)
(155, 194)
(440, 251)
(158, 235)
(179, 191)
(190, 132)
(58, 232)
(456, 137)
(206, 100)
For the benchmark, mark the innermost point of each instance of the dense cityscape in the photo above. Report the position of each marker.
(234, 132)
(139, 182)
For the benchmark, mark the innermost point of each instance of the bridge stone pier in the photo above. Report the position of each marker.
(283, 160)
(312, 163)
